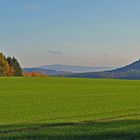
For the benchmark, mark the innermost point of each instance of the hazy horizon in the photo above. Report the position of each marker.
(71, 32)
(38, 66)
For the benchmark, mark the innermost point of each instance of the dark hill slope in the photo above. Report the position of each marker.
(131, 71)
(135, 66)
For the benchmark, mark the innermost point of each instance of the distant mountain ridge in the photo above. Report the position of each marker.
(45, 72)
(58, 69)
(74, 69)
(131, 71)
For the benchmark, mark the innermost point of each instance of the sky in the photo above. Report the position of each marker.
(71, 32)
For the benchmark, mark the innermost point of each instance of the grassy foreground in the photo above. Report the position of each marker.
(61, 108)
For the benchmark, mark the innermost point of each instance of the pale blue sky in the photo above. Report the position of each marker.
(73, 32)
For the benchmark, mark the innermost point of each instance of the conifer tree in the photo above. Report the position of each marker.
(9, 66)
(11, 71)
(14, 64)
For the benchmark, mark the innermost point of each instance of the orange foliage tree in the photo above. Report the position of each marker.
(34, 74)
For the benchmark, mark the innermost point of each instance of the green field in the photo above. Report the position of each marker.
(64, 108)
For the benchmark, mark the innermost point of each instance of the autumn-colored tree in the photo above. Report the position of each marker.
(4, 66)
(9, 66)
(11, 71)
(34, 74)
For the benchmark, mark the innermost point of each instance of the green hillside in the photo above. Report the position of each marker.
(63, 108)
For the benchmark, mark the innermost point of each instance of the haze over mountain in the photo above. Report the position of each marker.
(46, 72)
(131, 71)
(74, 69)
(58, 69)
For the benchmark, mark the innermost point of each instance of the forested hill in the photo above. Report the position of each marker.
(131, 71)
(135, 66)
(9, 66)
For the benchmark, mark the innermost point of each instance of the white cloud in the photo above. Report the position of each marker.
(32, 8)
(55, 52)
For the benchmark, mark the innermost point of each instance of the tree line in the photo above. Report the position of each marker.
(9, 66)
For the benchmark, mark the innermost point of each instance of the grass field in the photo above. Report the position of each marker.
(63, 108)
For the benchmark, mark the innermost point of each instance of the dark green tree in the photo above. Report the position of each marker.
(15, 65)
